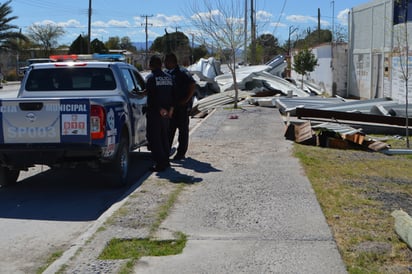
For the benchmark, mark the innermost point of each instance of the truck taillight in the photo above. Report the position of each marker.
(97, 122)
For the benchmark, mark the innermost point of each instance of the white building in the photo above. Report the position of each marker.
(377, 49)
(330, 73)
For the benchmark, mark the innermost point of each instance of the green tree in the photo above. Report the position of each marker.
(9, 34)
(126, 44)
(157, 45)
(97, 46)
(199, 52)
(45, 36)
(176, 42)
(305, 61)
(267, 46)
(113, 43)
(313, 38)
(79, 46)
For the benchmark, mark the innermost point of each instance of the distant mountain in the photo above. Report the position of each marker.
(142, 45)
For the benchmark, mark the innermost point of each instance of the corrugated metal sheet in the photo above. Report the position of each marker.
(338, 128)
(219, 99)
(285, 104)
(363, 106)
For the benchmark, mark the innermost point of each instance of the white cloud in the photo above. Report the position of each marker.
(98, 33)
(278, 25)
(300, 18)
(159, 20)
(304, 19)
(116, 23)
(72, 23)
(45, 22)
(99, 24)
(111, 23)
(213, 13)
(263, 15)
(343, 17)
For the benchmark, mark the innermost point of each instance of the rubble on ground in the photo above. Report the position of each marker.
(326, 117)
(333, 135)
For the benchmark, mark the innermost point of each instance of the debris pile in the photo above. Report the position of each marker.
(262, 86)
(332, 135)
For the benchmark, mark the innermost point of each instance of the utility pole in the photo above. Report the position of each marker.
(89, 26)
(253, 32)
(193, 48)
(407, 74)
(245, 24)
(147, 38)
(318, 25)
(333, 20)
(288, 58)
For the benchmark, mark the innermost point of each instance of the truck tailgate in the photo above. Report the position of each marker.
(44, 121)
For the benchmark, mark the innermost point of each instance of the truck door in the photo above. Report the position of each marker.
(138, 101)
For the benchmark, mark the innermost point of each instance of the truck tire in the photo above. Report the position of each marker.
(119, 168)
(8, 176)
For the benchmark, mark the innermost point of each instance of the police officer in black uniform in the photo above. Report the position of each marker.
(160, 91)
(184, 90)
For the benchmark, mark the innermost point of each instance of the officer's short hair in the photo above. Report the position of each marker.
(171, 57)
(155, 62)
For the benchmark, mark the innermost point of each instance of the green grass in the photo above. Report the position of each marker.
(136, 248)
(164, 209)
(357, 191)
(54, 256)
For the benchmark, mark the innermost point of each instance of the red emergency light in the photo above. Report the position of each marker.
(63, 57)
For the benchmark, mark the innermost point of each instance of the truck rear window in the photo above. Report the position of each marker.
(67, 79)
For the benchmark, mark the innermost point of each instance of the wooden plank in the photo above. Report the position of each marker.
(356, 138)
(303, 132)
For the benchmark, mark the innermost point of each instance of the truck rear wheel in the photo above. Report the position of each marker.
(8, 176)
(120, 165)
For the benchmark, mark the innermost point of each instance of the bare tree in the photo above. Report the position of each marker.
(402, 49)
(45, 35)
(221, 27)
(341, 33)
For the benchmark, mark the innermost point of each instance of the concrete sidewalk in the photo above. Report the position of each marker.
(251, 209)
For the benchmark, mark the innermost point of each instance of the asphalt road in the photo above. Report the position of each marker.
(47, 210)
(9, 90)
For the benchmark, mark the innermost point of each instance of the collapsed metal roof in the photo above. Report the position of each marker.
(289, 98)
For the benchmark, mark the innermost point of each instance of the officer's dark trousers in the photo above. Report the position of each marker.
(180, 121)
(157, 133)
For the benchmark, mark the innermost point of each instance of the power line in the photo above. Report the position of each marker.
(281, 13)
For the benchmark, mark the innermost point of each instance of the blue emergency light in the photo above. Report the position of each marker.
(109, 57)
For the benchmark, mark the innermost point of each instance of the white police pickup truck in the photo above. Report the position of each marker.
(68, 114)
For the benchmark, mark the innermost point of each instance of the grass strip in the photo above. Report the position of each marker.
(357, 191)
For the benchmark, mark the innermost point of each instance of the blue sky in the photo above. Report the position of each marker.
(126, 17)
